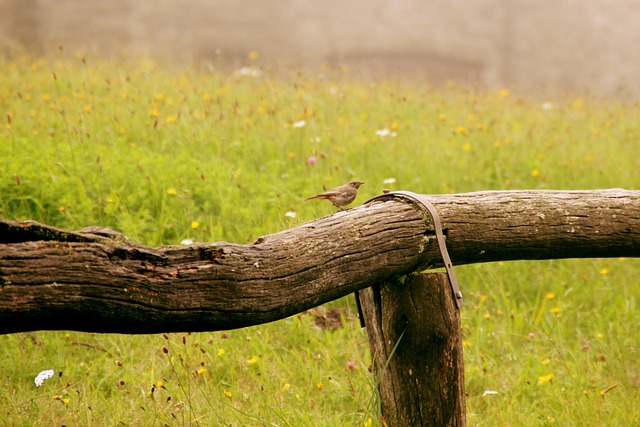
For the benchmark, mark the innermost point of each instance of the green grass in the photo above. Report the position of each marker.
(165, 153)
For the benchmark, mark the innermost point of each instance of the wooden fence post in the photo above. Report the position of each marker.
(414, 332)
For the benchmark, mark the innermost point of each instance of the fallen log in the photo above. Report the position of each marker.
(96, 280)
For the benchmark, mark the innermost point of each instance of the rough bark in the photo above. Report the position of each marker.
(92, 281)
(414, 333)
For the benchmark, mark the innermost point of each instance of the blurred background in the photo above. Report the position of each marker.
(560, 47)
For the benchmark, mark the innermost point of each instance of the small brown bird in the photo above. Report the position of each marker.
(340, 196)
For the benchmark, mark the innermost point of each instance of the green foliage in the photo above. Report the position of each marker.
(166, 154)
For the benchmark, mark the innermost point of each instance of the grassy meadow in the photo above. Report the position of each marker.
(164, 153)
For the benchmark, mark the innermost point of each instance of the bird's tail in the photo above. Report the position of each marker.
(319, 196)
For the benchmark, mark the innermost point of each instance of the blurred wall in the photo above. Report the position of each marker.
(531, 46)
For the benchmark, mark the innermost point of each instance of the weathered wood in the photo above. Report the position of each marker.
(414, 334)
(56, 279)
(95, 280)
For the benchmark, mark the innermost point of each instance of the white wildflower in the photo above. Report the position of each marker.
(389, 181)
(383, 133)
(290, 214)
(44, 375)
(249, 71)
(299, 124)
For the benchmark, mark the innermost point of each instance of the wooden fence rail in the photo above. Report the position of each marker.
(96, 280)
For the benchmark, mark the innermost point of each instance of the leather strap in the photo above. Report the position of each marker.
(422, 200)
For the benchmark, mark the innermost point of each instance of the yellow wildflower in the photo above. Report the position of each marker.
(545, 379)
(461, 130)
(577, 104)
